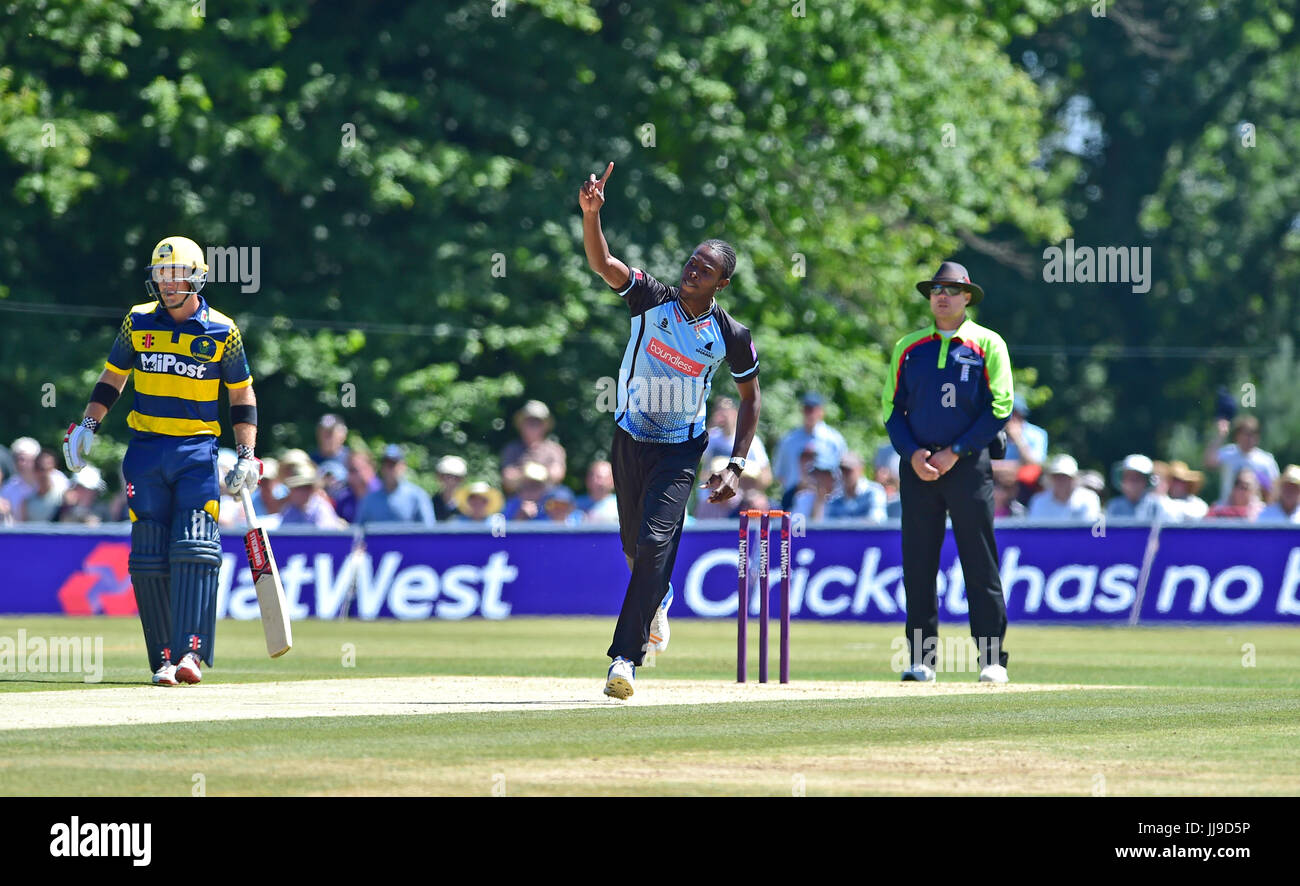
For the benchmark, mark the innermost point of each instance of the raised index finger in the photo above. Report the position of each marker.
(604, 178)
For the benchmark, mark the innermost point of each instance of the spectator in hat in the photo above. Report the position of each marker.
(1135, 478)
(81, 502)
(526, 504)
(861, 499)
(477, 502)
(1244, 502)
(42, 506)
(533, 421)
(599, 504)
(1183, 485)
(451, 471)
(722, 438)
(814, 430)
(306, 504)
(331, 448)
(362, 479)
(397, 500)
(560, 506)
(22, 482)
(1286, 506)
(1242, 452)
(1064, 499)
(1026, 442)
(333, 478)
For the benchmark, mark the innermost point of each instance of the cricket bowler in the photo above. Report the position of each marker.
(679, 337)
(180, 351)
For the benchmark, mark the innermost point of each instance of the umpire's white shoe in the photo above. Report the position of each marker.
(188, 670)
(993, 674)
(165, 675)
(622, 674)
(919, 673)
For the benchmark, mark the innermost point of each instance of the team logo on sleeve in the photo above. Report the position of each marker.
(203, 348)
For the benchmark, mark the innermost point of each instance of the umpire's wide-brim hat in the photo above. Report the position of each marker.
(952, 274)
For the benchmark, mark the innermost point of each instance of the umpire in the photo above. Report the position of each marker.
(950, 396)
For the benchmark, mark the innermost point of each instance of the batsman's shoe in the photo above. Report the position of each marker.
(188, 670)
(622, 674)
(994, 674)
(919, 673)
(165, 675)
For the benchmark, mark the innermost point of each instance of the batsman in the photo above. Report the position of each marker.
(180, 351)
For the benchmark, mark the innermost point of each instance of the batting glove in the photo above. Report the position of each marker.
(77, 443)
(246, 472)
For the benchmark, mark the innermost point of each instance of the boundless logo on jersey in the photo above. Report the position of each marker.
(677, 361)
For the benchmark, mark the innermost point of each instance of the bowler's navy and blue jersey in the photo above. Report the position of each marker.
(670, 360)
(178, 368)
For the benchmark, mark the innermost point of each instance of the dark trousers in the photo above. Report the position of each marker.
(966, 494)
(653, 483)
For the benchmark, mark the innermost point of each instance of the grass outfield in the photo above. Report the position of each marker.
(1197, 720)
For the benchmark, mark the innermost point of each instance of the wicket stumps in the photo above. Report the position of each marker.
(743, 596)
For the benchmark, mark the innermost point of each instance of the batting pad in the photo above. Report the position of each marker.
(151, 578)
(195, 566)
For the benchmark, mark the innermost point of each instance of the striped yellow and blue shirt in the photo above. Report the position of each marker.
(178, 368)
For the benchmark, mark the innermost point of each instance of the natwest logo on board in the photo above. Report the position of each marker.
(374, 589)
(665, 354)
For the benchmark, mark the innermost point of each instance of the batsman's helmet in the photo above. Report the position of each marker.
(177, 252)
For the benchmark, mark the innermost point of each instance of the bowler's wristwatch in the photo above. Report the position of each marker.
(738, 464)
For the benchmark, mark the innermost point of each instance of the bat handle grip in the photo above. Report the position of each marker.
(246, 499)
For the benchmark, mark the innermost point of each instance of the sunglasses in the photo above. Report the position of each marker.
(946, 290)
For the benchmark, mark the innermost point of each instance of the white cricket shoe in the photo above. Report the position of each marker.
(659, 631)
(994, 674)
(919, 673)
(165, 675)
(622, 674)
(188, 670)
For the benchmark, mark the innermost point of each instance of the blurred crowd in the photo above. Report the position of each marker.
(814, 473)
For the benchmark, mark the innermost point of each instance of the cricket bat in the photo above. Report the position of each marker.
(266, 579)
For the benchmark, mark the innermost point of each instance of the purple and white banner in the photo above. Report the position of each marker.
(1048, 573)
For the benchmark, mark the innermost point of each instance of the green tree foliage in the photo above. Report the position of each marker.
(1178, 126)
(410, 174)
